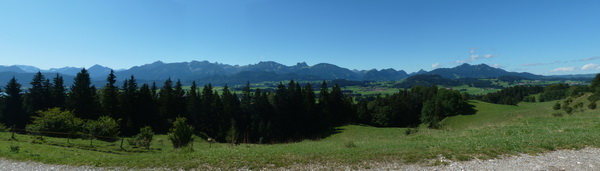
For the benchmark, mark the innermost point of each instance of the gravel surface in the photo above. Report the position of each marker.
(11, 165)
(584, 159)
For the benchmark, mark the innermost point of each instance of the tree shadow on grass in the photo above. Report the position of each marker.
(469, 109)
(328, 132)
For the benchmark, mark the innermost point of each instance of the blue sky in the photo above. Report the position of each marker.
(543, 36)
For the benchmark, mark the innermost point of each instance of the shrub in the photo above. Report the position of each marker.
(592, 105)
(14, 148)
(410, 131)
(37, 140)
(568, 109)
(55, 120)
(181, 133)
(143, 138)
(349, 144)
(556, 106)
(557, 114)
(3, 127)
(105, 128)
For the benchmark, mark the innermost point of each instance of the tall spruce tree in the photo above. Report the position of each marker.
(13, 113)
(207, 115)
(178, 103)
(39, 96)
(147, 109)
(193, 105)
(82, 98)
(58, 92)
(231, 114)
(129, 106)
(326, 118)
(110, 96)
(165, 103)
(310, 107)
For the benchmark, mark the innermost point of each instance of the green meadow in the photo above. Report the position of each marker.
(494, 131)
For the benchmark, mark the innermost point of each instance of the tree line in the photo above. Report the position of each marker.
(291, 112)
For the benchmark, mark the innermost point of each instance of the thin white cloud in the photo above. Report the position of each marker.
(497, 66)
(436, 65)
(535, 64)
(489, 56)
(590, 66)
(473, 56)
(473, 50)
(590, 59)
(563, 69)
(540, 64)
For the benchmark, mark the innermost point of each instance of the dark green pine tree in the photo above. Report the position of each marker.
(326, 118)
(82, 98)
(110, 96)
(340, 105)
(13, 113)
(216, 108)
(207, 117)
(231, 112)
(280, 122)
(154, 91)
(59, 97)
(193, 105)
(178, 103)
(129, 108)
(38, 97)
(165, 101)
(147, 108)
(248, 122)
(310, 108)
(265, 116)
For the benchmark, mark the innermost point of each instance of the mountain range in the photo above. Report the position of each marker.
(204, 72)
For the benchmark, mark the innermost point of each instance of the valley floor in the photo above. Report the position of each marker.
(583, 159)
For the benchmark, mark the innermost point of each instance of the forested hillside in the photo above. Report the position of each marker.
(289, 113)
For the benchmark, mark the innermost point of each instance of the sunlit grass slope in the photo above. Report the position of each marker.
(495, 130)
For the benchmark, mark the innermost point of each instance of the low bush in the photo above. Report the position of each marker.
(143, 138)
(54, 120)
(181, 133)
(105, 128)
(14, 148)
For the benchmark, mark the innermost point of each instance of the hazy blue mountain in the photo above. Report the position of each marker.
(27, 68)
(98, 71)
(384, 75)
(421, 71)
(182, 70)
(198, 70)
(328, 72)
(65, 70)
(12, 68)
(217, 73)
(479, 71)
(574, 76)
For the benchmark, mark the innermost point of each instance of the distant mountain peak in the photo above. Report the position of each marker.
(302, 64)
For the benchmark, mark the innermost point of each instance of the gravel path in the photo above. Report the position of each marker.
(585, 159)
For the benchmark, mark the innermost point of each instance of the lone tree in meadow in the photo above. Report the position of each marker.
(181, 133)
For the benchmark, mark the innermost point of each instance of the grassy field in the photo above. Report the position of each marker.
(495, 130)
